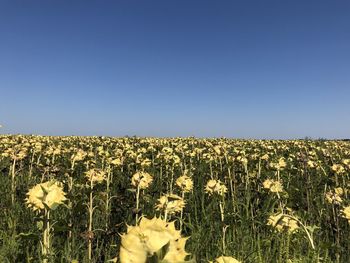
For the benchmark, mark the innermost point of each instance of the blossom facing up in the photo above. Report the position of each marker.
(282, 222)
(273, 186)
(215, 186)
(185, 183)
(170, 203)
(148, 238)
(96, 175)
(45, 195)
(224, 259)
(141, 180)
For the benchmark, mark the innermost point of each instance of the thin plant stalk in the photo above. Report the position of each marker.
(13, 181)
(107, 196)
(137, 202)
(222, 214)
(46, 246)
(91, 210)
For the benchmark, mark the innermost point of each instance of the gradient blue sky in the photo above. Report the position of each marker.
(243, 69)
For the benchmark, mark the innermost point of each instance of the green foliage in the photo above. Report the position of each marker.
(247, 204)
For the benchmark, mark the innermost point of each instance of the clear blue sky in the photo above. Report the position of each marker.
(243, 69)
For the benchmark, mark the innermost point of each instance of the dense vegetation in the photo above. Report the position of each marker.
(255, 200)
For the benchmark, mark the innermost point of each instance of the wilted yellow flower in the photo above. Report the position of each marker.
(242, 159)
(346, 213)
(224, 259)
(311, 164)
(280, 165)
(346, 162)
(274, 219)
(117, 161)
(141, 179)
(265, 157)
(79, 156)
(338, 168)
(335, 196)
(48, 194)
(215, 186)
(146, 163)
(283, 222)
(185, 183)
(149, 237)
(170, 203)
(217, 150)
(273, 186)
(95, 175)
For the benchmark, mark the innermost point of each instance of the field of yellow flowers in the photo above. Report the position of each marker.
(172, 200)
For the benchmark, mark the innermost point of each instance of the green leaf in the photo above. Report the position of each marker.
(29, 235)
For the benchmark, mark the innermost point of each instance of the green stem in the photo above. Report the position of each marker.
(13, 185)
(46, 237)
(137, 203)
(181, 214)
(221, 205)
(90, 222)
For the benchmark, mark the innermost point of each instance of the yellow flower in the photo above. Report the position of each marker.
(141, 179)
(283, 222)
(215, 186)
(274, 219)
(170, 203)
(311, 164)
(338, 169)
(149, 237)
(242, 159)
(95, 175)
(79, 156)
(335, 196)
(346, 213)
(292, 224)
(117, 162)
(346, 162)
(48, 194)
(273, 185)
(217, 150)
(280, 165)
(267, 183)
(224, 259)
(265, 157)
(185, 183)
(146, 163)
